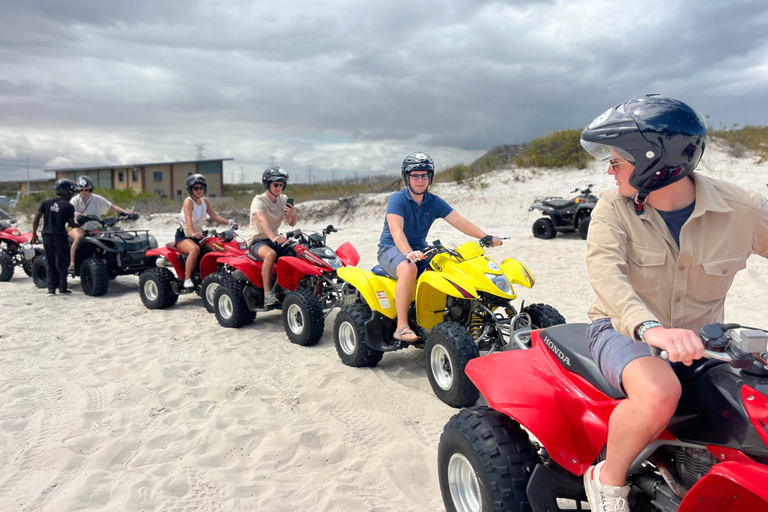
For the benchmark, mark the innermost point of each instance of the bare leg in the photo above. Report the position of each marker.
(192, 250)
(268, 257)
(653, 391)
(406, 279)
(76, 234)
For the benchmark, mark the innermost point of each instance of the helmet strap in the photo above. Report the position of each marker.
(269, 192)
(640, 199)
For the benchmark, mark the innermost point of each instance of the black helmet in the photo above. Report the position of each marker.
(84, 182)
(664, 139)
(417, 161)
(272, 174)
(196, 179)
(65, 188)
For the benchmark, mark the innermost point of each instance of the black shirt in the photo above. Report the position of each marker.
(56, 212)
(676, 218)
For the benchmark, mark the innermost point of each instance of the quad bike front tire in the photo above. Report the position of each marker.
(583, 227)
(484, 462)
(40, 271)
(349, 337)
(448, 349)
(94, 276)
(229, 305)
(26, 265)
(6, 267)
(156, 288)
(543, 316)
(544, 228)
(208, 287)
(303, 318)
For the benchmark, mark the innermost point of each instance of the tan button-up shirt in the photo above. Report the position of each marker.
(639, 273)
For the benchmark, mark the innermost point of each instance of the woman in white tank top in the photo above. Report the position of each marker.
(193, 212)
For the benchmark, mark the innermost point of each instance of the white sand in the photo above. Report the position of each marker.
(105, 405)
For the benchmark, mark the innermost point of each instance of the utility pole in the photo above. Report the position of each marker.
(309, 172)
(29, 186)
(200, 148)
(333, 175)
(241, 174)
(272, 160)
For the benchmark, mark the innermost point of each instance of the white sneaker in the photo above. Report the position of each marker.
(604, 498)
(189, 284)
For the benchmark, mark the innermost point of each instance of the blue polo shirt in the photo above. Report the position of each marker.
(417, 218)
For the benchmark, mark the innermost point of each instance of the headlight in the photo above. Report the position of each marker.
(152, 241)
(501, 282)
(334, 262)
(28, 250)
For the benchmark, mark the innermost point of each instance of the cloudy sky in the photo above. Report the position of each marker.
(352, 86)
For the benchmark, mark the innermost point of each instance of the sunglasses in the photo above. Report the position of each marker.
(419, 176)
(278, 183)
(615, 164)
(198, 187)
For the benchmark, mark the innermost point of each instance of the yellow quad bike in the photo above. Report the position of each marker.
(462, 306)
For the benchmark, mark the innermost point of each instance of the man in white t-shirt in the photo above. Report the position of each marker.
(88, 203)
(267, 213)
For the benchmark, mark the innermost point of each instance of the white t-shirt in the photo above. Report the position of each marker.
(274, 213)
(199, 212)
(96, 206)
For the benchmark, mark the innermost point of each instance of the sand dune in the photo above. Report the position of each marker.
(108, 406)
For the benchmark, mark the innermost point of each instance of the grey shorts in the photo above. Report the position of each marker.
(389, 258)
(613, 351)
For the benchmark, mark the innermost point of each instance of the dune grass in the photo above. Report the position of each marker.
(742, 139)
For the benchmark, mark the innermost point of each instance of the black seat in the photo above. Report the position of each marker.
(558, 204)
(379, 271)
(569, 344)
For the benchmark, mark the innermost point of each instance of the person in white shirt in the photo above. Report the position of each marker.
(193, 213)
(88, 203)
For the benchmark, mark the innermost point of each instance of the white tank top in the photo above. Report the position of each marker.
(199, 211)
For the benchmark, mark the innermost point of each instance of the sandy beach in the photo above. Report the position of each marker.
(108, 406)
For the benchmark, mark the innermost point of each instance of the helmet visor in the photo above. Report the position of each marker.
(603, 151)
(419, 167)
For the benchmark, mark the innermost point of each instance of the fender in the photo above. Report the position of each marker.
(210, 262)
(517, 273)
(732, 485)
(432, 289)
(98, 243)
(291, 270)
(251, 269)
(170, 255)
(378, 292)
(348, 254)
(12, 234)
(560, 408)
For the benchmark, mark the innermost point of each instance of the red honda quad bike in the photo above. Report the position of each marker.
(713, 456)
(305, 283)
(160, 288)
(15, 249)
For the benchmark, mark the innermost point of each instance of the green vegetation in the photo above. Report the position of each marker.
(555, 149)
(739, 140)
(144, 202)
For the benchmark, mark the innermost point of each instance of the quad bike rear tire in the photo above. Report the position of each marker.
(6, 267)
(349, 337)
(229, 305)
(448, 349)
(583, 227)
(544, 228)
(156, 288)
(27, 264)
(94, 276)
(303, 318)
(543, 316)
(40, 271)
(484, 462)
(208, 287)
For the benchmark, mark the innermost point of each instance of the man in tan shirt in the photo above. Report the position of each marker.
(267, 213)
(662, 251)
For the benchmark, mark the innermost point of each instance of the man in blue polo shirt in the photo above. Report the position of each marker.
(410, 214)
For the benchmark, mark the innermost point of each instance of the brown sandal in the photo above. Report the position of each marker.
(405, 333)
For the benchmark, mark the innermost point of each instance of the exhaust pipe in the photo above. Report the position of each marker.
(163, 263)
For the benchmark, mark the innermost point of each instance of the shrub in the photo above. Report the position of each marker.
(738, 139)
(555, 149)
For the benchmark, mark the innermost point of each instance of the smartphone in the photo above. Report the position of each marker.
(290, 200)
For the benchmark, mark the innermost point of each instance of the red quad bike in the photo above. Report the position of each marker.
(713, 456)
(160, 288)
(305, 283)
(15, 249)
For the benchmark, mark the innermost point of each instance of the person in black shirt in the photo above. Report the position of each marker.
(56, 213)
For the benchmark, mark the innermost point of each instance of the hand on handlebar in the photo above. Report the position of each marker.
(681, 344)
(414, 256)
(281, 239)
(197, 234)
